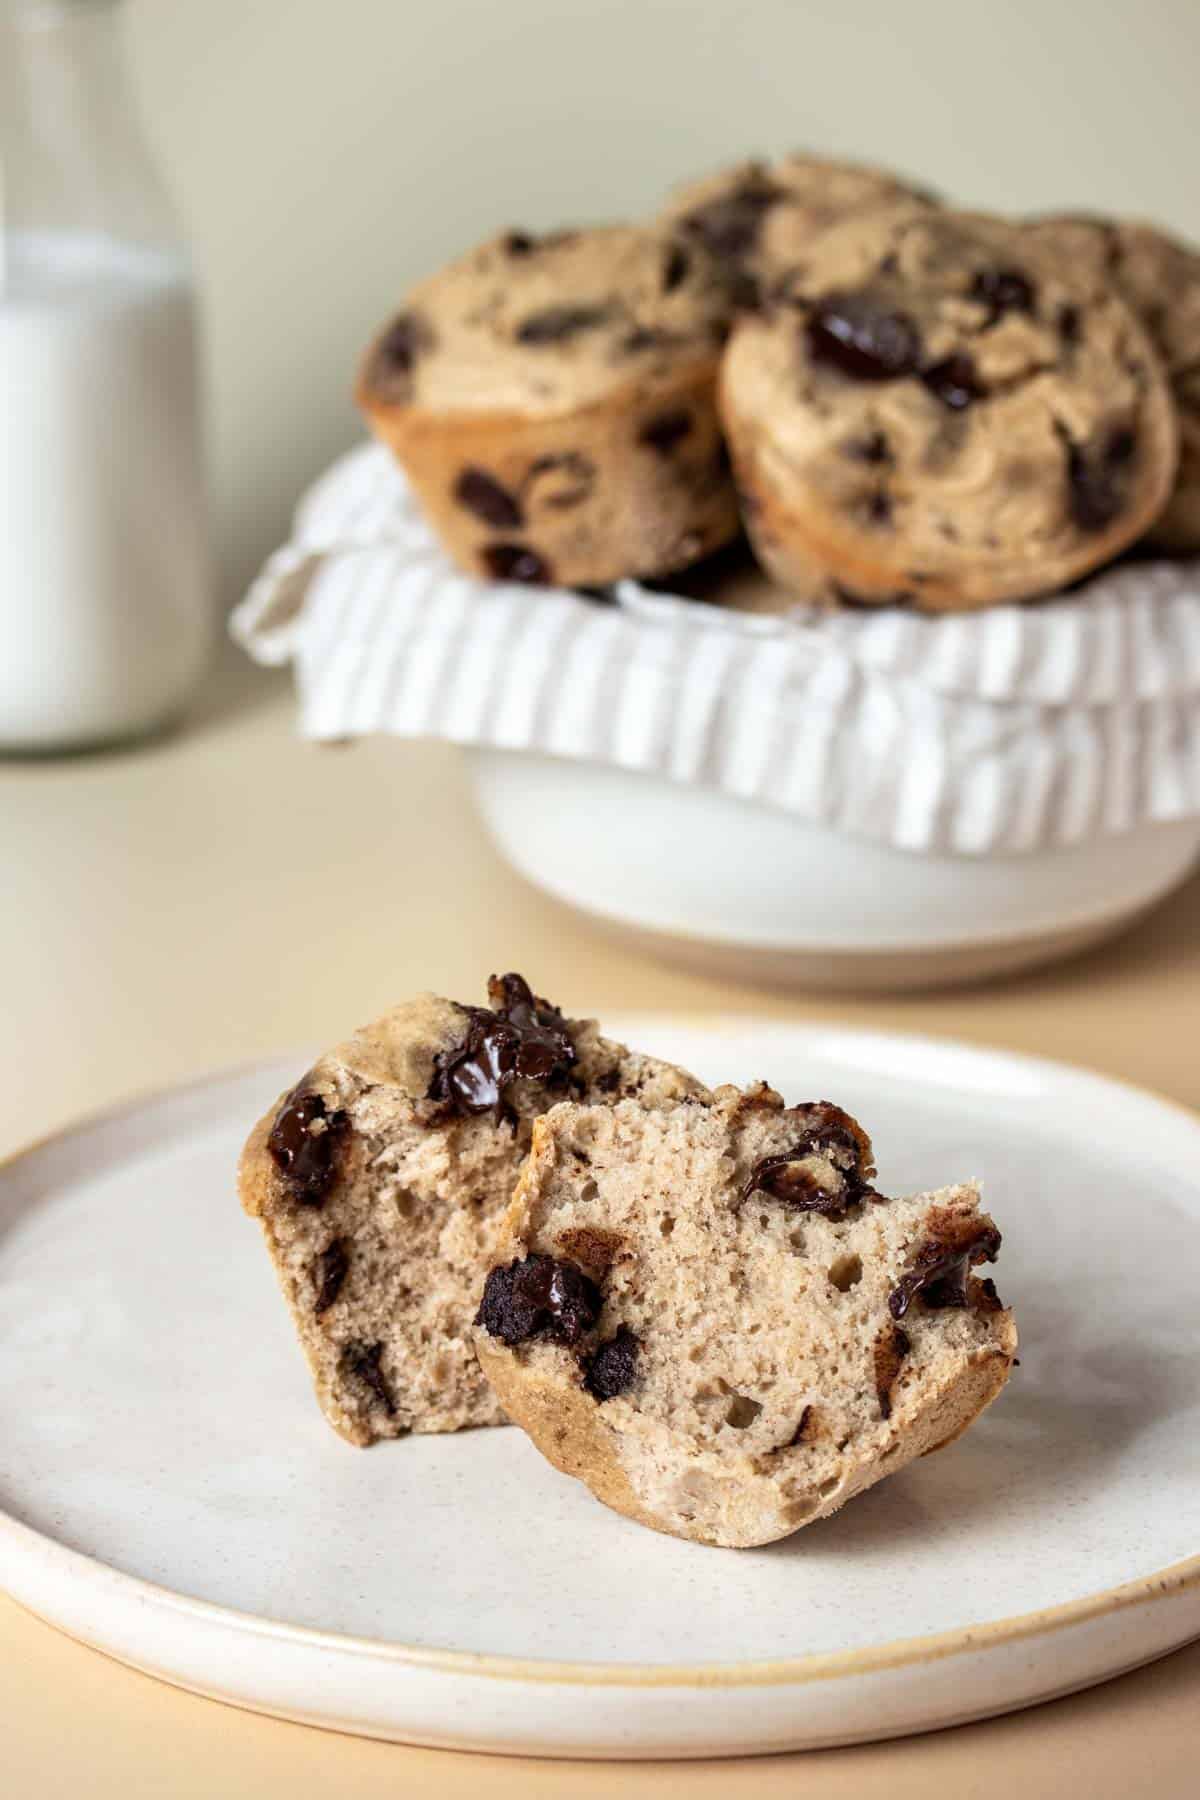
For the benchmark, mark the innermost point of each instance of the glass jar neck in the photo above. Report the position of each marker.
(72, 155)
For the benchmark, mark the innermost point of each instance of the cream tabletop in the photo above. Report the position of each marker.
(227, 892)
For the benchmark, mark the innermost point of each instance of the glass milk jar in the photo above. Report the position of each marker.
(106, 616)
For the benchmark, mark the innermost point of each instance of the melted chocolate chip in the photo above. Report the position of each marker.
(481, 494)
(954, 381)
(519, 1038)
(729, 226)
(873, 448)
(665, 430)
(891, 1347)
(539, 1297)
(519, 243)
(942, 1265)
(863, 338)
(303, 1145)
(613, 1367)
(362, 1362)
(329, 1272)
(675, 268)
(575, 478)
(797, 1436)
(554, 324)
(1097, 477)
(515, 562)
(646, 337)
(832, 1135)
(1003, 291)
(403, 342)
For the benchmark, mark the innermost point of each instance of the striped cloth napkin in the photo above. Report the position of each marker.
(1004, 730)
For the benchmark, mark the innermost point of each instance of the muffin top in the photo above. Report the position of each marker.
(1160, 278)
(546, 325)
(956, 388)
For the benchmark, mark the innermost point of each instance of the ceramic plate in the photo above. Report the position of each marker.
(170, 1493)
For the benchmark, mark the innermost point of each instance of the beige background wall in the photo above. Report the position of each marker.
(325, 152)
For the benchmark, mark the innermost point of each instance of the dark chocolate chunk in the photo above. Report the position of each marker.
(891, 1347)
(515, 562)
(954, 381)
(873, 448)
(519, 243)
(646, 337)
(1003, 291)
(303, 1145)
(863, 337)
(362, 1362)
(613, 1367)
(797, 1436)
(729, 226)
(575, 477)
(665, 430)
(1097, 476)
(554, 324)
(329, 1272)
(481, 494)
(539, 1297)
(942, 1265)
(833, 1135)
(675, 268)
(518, 1038)
(402, 342)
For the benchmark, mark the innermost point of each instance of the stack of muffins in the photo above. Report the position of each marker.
(897, 402)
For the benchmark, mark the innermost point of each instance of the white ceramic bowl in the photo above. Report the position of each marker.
(747, 890)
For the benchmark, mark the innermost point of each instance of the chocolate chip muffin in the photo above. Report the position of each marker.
(759, 218)
(944, 410)
(381, 1179)
(553, 403)
(712, 1317)
(1160, 278)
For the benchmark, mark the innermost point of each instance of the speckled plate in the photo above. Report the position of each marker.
(170, 1494)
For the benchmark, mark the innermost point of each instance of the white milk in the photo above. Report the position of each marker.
(106, 619)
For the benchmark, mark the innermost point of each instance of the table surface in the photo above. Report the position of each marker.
(226, 893)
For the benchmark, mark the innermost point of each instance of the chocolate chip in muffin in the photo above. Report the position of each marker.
(729, 226)
(1098, 476)
(863, 337)
(538, 1297)
(612, 1368)
(942, 1265)
(675, 268)
(891, 1347)
(481, 494)
(303, 1145)
(517, 1038)
(555, 324)
(361, 1361)
(1069, 322)
(329, 1273)
(873, 448)
(954, 381)
(515, 562)
(389, 371)
(784, 1176)
(1003, 291)
(665, 430)
(803, 1429)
